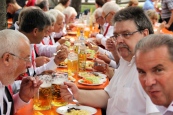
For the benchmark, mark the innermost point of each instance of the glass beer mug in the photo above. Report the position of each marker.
(72, 64)
(58, 80)
(43, 98)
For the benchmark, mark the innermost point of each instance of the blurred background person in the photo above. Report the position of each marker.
(167, 13)
(62, 5)
(99, 3)
(43, 4)
(132, 3)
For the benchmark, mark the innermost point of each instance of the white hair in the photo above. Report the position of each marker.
(10, 41)
(110, 7)
(56, 13)
(51, 16)
(69, 11)
(98, 12)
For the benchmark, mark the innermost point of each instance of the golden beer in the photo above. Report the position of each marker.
(58, 79)
(42, 100)
(72, 62)
(56, 96)
(80, 27)
(82, 59)
(86, 32)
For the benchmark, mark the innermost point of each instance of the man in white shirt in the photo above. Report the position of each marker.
(15, 58)
(33, 25)
(124, 94)
(154, 64)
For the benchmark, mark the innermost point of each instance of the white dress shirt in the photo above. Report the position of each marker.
(107, 35)
(38, 70)
(127, 96)
(166, 111)
(18, 103)
(109, 54)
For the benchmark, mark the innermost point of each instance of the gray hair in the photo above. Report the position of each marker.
(155, 41)
(56, 13)
(110, 7)
(98, 11)
(51, 16)
(10, 41)
(69, 11)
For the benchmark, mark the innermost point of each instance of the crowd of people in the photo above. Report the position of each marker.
(138, 59)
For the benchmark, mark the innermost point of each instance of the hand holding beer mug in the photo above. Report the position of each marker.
(42, 99)
(58, 80)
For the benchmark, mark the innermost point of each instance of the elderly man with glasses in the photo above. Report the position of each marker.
(15, 59)
(124, 94)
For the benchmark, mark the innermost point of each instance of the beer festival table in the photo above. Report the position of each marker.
(28, 110)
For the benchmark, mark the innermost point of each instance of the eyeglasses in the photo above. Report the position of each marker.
(124, 35)
(28, 59)
(107, 15)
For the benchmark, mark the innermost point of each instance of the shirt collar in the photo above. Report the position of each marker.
(163, 109)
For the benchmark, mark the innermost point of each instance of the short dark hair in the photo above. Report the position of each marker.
(42, 4)
(136, 14)
(63, 2)
(100, 3)
(10, 1)
(34, 18)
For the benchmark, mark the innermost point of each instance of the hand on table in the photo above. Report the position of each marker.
(92, 46)
(99, 65)
(29, 87)
(65, 94)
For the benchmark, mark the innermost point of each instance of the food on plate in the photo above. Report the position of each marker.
(71, 78)
(86, 74)
(67, 43)
(91, 80)
(71, 32)
(76, 111)
(90, 54)
(89, 65)
(64, 63)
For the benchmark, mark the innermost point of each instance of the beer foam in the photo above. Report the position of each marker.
(58, 82)
(45, 85)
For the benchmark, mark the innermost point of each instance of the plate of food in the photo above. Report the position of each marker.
(90, 54)
(72, 109)
(89, 65)
(91, 74)
(71, 32)
(63, 64)
(92, 81)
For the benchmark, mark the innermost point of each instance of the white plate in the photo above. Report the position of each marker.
(102, 80)
(101, 75)
(63, 109)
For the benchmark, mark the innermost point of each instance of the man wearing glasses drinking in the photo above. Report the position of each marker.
(124, 94)
(15, 59)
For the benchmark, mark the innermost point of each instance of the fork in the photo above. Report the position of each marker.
(74, 100)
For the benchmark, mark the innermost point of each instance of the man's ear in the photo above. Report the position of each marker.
(35, 31)
(145, 32)
(6, 59)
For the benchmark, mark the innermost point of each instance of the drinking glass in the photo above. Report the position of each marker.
(43, 98)
(58, 79)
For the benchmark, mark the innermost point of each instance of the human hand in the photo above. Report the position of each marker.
(62, 53)
(41, 60)
(167, 26)
(104, 57)
(66, 95)
(111, 45)
(63, 40)
(92, 46)
(29, 87)
(99, 65)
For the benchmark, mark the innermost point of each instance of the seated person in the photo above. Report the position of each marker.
(154, 64)
(14, 61)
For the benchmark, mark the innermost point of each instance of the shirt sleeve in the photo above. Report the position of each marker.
(51, 65)
(46, 50)
(18, 102)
